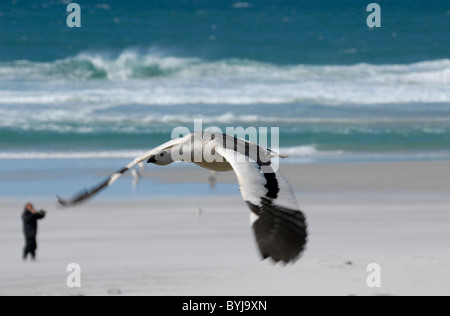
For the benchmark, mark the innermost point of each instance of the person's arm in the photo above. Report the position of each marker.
(40, 214)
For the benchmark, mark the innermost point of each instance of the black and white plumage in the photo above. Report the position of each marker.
(279, 226)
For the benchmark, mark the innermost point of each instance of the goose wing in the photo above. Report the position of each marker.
(280, 227)
(91, 192)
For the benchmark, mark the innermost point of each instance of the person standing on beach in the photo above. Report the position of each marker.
(30, 217)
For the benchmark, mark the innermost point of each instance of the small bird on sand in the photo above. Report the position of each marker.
(212, 180)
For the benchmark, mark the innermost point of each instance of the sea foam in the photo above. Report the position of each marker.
(156, 79)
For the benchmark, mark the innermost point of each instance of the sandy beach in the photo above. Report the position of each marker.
(393, 214)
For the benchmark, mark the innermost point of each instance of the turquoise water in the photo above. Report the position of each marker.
(337, 90)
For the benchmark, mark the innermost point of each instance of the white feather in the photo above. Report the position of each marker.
(253, 182)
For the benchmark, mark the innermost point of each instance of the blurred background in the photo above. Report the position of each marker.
(339, 90)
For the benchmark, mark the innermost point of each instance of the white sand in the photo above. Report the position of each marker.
(396, 215)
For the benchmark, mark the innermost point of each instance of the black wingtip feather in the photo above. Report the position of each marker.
(84, 195)
(281, 233)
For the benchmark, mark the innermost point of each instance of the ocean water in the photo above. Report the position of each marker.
(117, 86)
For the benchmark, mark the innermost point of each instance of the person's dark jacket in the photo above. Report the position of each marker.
(30, 223)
